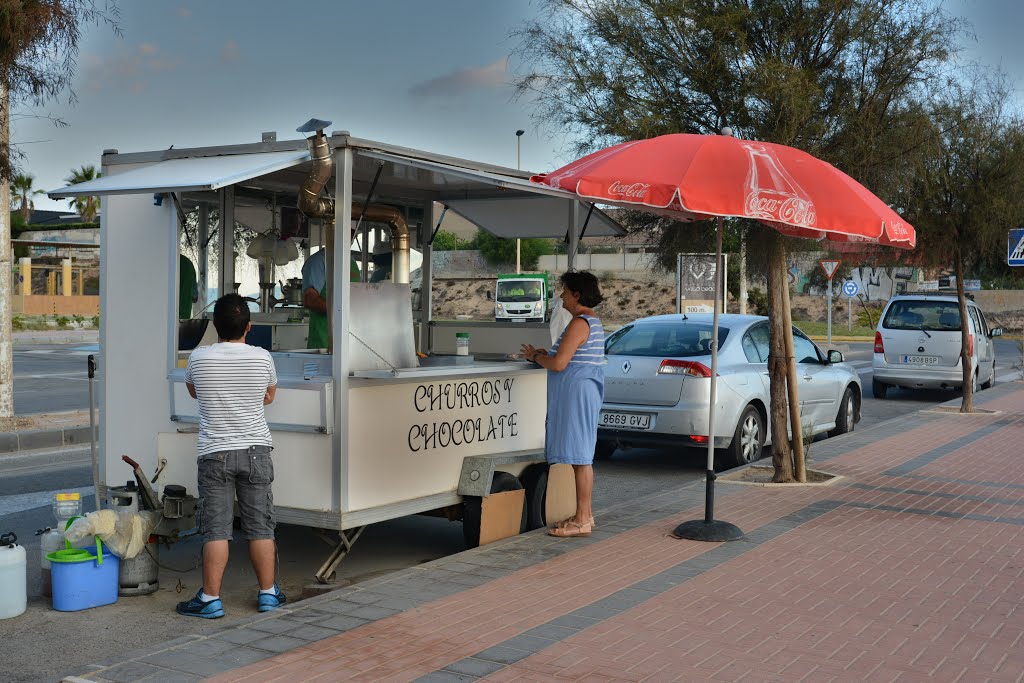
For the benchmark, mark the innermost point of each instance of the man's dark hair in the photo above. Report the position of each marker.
(230, 316)
(584, 284)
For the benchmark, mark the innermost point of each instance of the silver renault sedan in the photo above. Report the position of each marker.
(658, 386)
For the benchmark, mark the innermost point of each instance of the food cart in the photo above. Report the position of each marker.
(383, 423)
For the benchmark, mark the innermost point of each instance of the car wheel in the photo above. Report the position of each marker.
(992, 378)
(534, 479)
(748, 441)
(974, 383)
(847, 417)
(878, 389)
(604, 449)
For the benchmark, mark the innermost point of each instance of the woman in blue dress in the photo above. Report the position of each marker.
(575, 366)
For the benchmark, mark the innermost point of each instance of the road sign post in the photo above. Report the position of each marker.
(850, 289)
(830, 266)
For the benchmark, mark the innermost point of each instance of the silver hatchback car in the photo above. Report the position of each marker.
(918, 343)
(657, 386)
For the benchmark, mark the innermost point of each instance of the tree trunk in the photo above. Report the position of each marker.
(967, 405)
(799, 470)
(777, 281)
(6, 276)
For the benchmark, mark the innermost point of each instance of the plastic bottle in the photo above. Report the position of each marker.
(13, 577)
(64, 506)
(462, 343)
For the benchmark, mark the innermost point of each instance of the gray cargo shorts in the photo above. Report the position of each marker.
(246, 473)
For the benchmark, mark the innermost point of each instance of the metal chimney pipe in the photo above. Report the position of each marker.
(314, 206)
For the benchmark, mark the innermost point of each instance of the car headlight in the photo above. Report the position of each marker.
(539, 306)
(501, 308)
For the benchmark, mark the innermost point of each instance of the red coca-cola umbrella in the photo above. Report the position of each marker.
(697, 177)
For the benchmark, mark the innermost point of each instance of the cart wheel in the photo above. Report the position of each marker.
(473, 507)
(535, 480)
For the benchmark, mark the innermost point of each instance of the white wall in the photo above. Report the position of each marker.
(135, 323)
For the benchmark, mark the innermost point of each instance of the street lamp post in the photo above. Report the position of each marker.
(519, 137)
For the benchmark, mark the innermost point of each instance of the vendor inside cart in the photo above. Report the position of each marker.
(314, 296)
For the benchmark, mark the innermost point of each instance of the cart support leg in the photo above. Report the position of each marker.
(346, 539)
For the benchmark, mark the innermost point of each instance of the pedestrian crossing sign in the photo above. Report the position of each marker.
(1015, 248)
(830, 267)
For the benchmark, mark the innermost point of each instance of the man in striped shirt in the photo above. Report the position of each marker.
(233, 381)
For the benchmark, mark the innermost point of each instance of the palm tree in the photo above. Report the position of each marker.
(87, 206)
(21, 188)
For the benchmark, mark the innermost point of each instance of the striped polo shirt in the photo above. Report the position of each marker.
(231, 380)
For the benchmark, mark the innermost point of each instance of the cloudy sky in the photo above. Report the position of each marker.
(429, 75)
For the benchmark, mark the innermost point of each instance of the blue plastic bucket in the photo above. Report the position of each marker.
(82, 579)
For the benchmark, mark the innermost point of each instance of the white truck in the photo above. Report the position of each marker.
(523, 297)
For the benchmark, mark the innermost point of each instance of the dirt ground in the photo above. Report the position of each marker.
(627, 300)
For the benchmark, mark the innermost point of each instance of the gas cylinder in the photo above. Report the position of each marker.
(13, 577)
(140, 574)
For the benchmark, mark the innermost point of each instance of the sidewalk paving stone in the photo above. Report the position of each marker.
(910, 568)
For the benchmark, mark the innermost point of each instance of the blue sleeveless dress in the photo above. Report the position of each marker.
(574, 401)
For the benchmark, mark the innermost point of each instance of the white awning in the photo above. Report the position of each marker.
(186, 175)
(523, 210)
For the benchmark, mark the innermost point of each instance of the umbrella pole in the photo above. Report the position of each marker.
(709, 529)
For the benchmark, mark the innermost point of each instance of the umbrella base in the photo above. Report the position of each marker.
(713, 531)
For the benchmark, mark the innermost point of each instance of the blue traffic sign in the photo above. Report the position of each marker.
(850, 288)
(1015, 248)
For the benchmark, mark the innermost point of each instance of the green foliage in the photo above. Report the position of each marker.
(757, 301)
(497, 251)
(867, 314)
(17, 322)
(819, 328)
(449, 241)
(38, 45)
(78, 320)
(95, 320)
(63, 322)
(964, 188)
(87, 207)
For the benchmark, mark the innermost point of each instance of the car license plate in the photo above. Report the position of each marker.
(920, 360)
(624, 420)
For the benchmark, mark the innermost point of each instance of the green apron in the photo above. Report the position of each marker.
(317, 338)
(318, 327)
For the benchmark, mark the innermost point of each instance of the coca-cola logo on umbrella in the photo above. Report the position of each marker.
(628, 190)
(773, 194)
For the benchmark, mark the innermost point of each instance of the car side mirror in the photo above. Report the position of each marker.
(995, 332)
(835, 357)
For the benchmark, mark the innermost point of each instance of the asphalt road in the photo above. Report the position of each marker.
(51, 378)
(29, 480)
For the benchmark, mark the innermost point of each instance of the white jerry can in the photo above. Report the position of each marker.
(13, 577)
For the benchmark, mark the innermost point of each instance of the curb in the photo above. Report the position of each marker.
(35, 439)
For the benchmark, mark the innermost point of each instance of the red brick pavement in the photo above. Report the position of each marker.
(858, 593)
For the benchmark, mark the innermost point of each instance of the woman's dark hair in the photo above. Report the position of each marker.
(584, 284)
(230, 316)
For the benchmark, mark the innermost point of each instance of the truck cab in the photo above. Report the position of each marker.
(523, 297)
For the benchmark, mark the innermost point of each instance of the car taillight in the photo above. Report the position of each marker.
(699, 439)
(879, 347)
(683, 367)
(970, 345)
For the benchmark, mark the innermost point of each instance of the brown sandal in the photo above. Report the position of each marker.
(570, 528)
